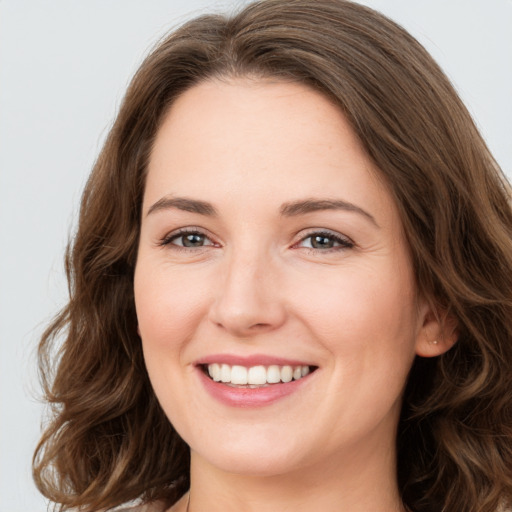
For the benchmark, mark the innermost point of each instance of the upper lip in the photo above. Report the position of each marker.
(248, 361)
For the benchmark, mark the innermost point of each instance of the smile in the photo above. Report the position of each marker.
(255, 375)
(253, 381)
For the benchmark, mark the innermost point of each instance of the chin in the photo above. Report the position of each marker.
(252, 463)
(265, 456)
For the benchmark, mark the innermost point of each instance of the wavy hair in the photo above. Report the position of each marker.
(108, 441)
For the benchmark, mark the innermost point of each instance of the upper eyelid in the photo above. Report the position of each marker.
(185, 231)
(325, 231)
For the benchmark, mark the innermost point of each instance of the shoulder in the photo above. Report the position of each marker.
(148, 507)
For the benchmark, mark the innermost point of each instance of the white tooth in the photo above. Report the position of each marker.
(238, 374)
(273, 374)
(297, 373)
(225, 373)
(305, 370)
(257, 375)
(286, 373)
(214, 371)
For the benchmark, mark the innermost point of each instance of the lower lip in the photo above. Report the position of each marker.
(250, 397)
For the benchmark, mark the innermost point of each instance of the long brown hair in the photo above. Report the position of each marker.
(108, 440)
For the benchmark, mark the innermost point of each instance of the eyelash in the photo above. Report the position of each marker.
(344, 242)
(168, 239)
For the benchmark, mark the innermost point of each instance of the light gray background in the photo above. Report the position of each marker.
(64, 65)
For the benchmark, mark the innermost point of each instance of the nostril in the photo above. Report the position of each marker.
(258, 326)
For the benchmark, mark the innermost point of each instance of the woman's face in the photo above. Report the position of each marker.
(270, 248)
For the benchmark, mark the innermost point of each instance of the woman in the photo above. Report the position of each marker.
(291, 282)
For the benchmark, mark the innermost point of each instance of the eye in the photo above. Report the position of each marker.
(325, 240)
(187, 239)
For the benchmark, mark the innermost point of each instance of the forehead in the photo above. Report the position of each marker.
(242, 116)
(260, 140)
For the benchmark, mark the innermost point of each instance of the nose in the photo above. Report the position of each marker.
(248, 301)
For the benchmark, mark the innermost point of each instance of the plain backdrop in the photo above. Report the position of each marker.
(64, 65)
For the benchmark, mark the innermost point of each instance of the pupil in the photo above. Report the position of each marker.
(321, 242)
(193, 240)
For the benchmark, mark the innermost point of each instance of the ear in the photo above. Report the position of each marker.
(438, 332)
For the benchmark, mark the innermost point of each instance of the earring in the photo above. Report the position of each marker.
(435, 342)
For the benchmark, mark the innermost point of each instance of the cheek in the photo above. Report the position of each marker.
(366, 320)
(169, 305)
(359, 306)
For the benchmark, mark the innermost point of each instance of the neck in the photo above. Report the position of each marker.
(350, 482)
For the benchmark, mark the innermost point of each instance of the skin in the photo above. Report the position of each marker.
(257, 285)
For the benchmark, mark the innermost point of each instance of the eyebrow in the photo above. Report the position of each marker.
(305, 206)
(185, 204)
(291, 209)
